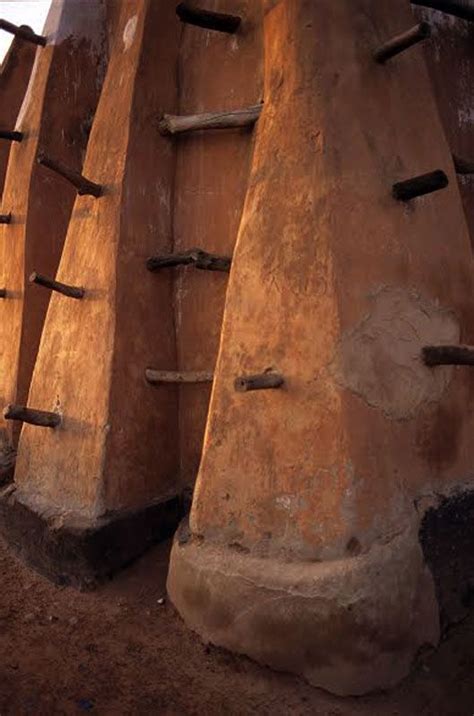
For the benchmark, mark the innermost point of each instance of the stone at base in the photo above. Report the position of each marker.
(82, 555)
(350, 626)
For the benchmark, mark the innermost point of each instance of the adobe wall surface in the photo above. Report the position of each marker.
(216, 72)
(336, 286)
(14, 76)
(302, 549)
(450, 58)
(358, 281)
(116, 447)
(55, 117)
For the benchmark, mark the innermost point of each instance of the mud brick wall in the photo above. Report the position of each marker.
(14, 76)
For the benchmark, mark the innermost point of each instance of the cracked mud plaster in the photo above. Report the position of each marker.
(380, 359)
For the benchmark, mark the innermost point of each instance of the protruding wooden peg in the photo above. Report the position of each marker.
(188, 12)
(262, 381)
(11, 136)
(459, 8)
(5, 218)
(158, 377)
(424, 184)
(448, 355)
(84, 186)
(196, 257)
(3, 292)
(71, 291)
(402, 42)
(463, 166)
(41, 418)
(23, 31)
(177, 124)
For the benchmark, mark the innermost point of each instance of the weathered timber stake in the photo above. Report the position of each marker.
(188, 12)
(156, 377)
(402, 42)
(463, 166)
(424, 184)
(177, 124)
(23, 31)
(35, 417)
(198, 258)
(5, 218)
(11, 136)
(460, 8)
(84, 186)
(3, 292)
(448, 355)
(71, 291)
(263, 381)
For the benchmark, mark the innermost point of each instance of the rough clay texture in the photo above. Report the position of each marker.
(337, 286)
(381, 359)
(348, 626)
(116, 448)
(15, 73)
(55, 117)
(450, 59)
(325, 255)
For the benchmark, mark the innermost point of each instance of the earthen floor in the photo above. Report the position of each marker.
(120, 651)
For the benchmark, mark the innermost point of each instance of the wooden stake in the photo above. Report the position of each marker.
(402, 42)
(424, 184)
(23, 31)
(219, 21)
(34, 417)
(463, 166)
(70, 291)
(3, 292)
(83, 185)
(198, 258)
(5, 218)
(11, 136)
(262, 381)
(175, 124)
(448, 355)
(459, 8)
(157, 377)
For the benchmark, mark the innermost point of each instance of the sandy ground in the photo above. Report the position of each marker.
(119, 651)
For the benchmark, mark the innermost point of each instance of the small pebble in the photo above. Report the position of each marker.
(85, 704)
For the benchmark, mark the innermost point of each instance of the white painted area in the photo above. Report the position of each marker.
(129, 32)
(22, 12)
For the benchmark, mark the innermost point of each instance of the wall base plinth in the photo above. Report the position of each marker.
(349, 626)
(82, 554)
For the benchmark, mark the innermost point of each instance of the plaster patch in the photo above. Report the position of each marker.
(380, 359)
(129, 32)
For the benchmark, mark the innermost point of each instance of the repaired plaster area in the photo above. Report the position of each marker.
(380, 359)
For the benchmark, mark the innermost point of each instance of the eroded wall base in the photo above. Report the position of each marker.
(349, 626)
(83, 555)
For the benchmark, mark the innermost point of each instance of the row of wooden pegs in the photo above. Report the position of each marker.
(174, 125)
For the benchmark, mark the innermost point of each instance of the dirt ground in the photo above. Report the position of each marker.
(119, 651)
